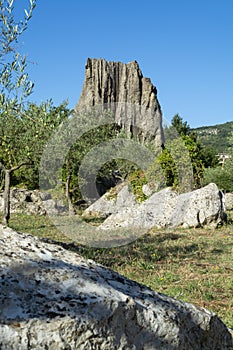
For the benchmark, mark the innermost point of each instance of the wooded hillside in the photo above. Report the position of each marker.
(216, 136)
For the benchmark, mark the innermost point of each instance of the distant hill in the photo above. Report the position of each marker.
(216, 136)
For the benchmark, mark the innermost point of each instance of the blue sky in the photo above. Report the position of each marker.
(184, 46)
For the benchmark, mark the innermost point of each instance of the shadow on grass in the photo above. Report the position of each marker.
(149, 248)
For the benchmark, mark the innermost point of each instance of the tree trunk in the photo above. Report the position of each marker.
(6, 197)
(68, 196)
(6, 194)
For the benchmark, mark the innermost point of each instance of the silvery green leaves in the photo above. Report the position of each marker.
(14, 81)
(15, 87)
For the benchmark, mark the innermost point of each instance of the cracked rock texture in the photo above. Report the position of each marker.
(53, 299)
(124, 85)
(119, 198)
(32, 202)
(166, 208)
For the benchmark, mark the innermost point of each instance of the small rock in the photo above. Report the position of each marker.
(228, 201)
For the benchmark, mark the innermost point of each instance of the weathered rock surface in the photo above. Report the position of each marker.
(32, 202)
(117, 199)
(115, 82)
(166, 208)
(228, 201)
(51, 298)
(198, 208)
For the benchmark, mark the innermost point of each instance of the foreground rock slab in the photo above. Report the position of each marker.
(51, 298)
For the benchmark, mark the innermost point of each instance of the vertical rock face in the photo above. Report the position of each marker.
(124, 85)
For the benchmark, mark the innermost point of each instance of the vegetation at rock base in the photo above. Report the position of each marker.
(137, 179)
(182, 152)
(194, 265)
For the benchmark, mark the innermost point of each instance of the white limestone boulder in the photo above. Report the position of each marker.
(228, 201)
(33, 202)
(166, 208)
(116, 199)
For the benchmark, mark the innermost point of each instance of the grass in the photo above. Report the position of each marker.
(193, 265)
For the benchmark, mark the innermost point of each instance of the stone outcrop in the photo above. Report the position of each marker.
(53, 299)
(123, 85)
(228, 201)
(117, 199)
(32, 202)
(166, 208)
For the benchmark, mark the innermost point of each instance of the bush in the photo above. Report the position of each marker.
(221, 176)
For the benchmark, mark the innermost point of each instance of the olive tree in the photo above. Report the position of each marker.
(15, 87)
